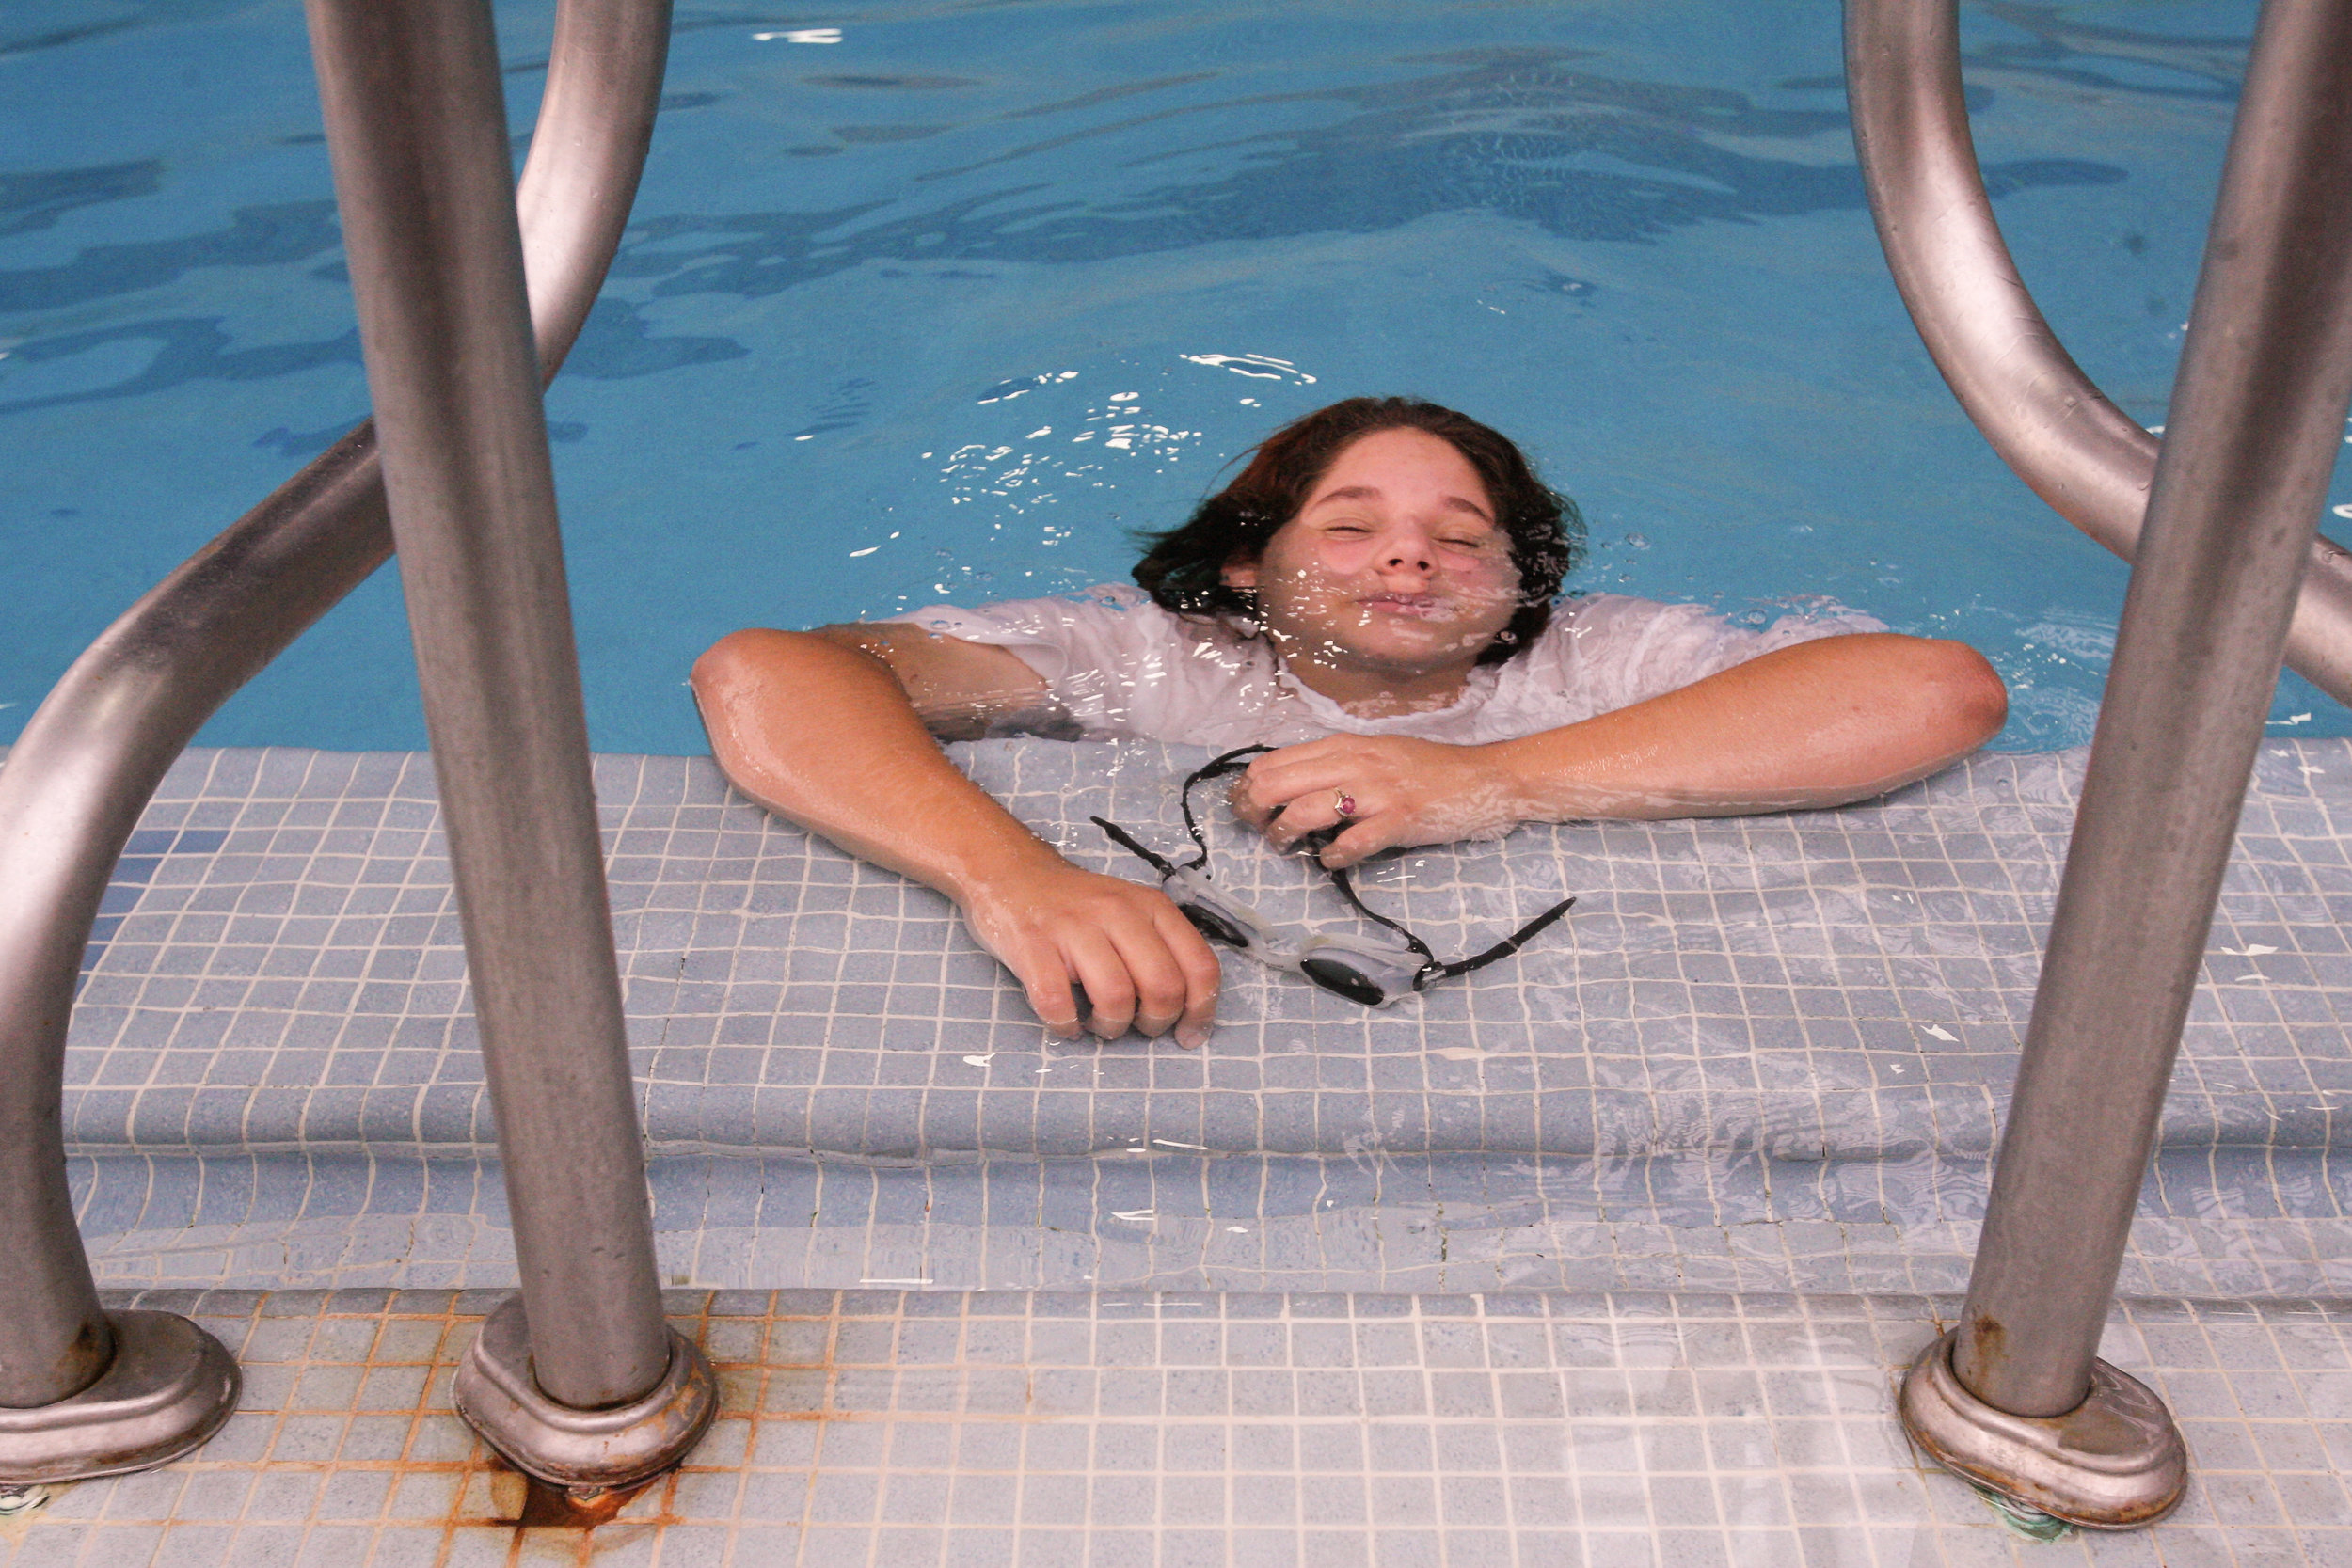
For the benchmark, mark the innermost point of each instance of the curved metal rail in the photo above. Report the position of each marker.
(92, 755)
(2088, 459)
(585, 1386)
(2016, 1398)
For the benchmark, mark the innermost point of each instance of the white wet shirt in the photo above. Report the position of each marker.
(1122, 667)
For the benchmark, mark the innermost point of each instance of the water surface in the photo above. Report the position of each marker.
(929, 301)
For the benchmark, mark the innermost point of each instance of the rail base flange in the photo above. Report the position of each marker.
(579, 1450)
(2114, 1462)
(169, 1388)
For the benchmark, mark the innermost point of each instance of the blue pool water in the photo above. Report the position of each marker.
(936, 301)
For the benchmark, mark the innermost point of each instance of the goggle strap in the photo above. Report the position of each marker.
(1215, 767)
(1346, 885)
(1128, 842)
(1431, 965)
(1509, 944)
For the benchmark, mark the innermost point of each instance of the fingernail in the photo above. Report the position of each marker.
(1192, 1037)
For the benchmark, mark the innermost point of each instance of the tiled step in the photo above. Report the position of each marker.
(286, 972)
(1765, 1053)
(1053, 1428)
(1190, 1221)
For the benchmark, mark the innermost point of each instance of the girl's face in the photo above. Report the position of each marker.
(1394, 568)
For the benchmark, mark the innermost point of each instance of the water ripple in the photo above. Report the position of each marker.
(1514, 132)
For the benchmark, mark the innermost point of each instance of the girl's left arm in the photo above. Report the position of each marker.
(1820, 724)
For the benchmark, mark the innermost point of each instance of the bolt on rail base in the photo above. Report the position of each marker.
(2114, 1462)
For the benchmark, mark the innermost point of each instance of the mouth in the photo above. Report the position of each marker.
(1416, 607)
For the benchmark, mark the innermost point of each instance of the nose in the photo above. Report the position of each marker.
(1407, 551)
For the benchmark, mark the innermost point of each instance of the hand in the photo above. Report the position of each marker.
(1139, 960)
(1404, 792)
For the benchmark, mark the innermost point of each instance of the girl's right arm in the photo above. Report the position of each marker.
(833, 730)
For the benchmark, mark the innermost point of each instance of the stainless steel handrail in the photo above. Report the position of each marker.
(586, 1385)
(2090, 461)
(2016, 1398)
(91, 756)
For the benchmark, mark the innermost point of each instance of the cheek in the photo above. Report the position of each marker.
(1308, 572)
(1334, 559)
(1489, 578)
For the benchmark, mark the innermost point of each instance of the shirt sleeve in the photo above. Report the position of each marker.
(1101, 652)
(1612, 651)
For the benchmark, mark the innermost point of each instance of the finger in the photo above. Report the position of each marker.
(1280, 777)
(1110, 994)
(1304, 750)
(1045, 979)
(1203, 973)
(1283, 791)
(1308, 814)
(1362, 842)
(1246, 805)
(1259, 798)
(1159, 981)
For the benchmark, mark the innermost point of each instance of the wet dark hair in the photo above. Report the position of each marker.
(1183, 569)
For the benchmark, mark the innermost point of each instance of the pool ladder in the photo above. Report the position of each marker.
(577, 1379)
(2220, 521)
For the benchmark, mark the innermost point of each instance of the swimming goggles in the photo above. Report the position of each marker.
(1370, 969)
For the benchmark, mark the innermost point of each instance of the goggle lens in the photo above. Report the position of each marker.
(1339, 979)
(1214, 927)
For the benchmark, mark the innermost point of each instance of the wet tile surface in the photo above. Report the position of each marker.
(1762, 1053)
(1607, 1255)
(881, 1427)
(1831, 983)
(1159, 1221)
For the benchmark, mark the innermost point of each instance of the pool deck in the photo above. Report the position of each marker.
(1609, 1254)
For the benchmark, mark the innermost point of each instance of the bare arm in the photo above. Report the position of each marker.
(829, 729)
(1819, 724)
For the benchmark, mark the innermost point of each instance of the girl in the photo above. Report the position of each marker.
(1374, 595)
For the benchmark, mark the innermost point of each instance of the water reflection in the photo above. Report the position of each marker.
(185, 349)
(1529, 133)
(617, 343)
(1520, 133)
(36, 200)
(2113, 59)
(263, 236)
